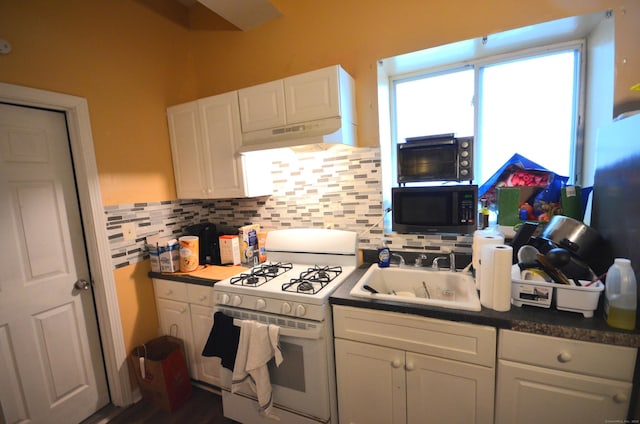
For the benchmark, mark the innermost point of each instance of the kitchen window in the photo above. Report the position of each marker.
(529, 90)
(526, 103)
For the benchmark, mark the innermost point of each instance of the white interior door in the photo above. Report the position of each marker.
(50, 358)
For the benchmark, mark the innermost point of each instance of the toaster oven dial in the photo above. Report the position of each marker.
(261, 304)
(464, 153)
(464, 163)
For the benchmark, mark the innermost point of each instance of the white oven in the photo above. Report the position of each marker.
(300, 384)
(291, 290)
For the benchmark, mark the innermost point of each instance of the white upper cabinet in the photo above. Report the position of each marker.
(317, 106)
(205, 137)
(186, 150)
(300, 98)
(262, 106)
(314, 95)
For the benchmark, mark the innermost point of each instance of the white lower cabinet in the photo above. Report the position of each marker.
(543, 379)
(399, 368)
(186, 311)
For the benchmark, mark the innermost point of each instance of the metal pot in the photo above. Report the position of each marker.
(571, 234)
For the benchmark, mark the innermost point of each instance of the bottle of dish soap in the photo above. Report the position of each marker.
(620, 301)
(384, 254)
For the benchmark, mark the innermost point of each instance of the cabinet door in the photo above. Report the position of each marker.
(207, 368)
(371, 383)
(313, 95)
(529, 394)
(187, 150)
(175, 320)
(262, 106)
(448, 391)
(221, 132)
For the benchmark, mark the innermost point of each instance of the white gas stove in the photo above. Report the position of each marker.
(291, 290)
(303, 268)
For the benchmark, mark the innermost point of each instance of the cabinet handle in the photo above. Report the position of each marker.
(202, 298)
(409, 366)
(183, 310)
(620, 398)
(564, 357)
(396, 363)
(168, 292)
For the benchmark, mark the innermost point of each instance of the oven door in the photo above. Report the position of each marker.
(301, 383)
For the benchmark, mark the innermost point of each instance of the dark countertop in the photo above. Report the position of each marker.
(527, 318)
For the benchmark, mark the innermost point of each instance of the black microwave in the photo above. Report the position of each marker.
(440, 209)
(441, 157)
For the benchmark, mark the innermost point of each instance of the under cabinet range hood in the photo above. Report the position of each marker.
(309, 111)
(310, 135)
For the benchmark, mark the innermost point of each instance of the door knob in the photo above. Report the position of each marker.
(82, 285)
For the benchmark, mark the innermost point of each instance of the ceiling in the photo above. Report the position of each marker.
(216, 15)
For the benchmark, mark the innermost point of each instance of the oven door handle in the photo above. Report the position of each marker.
(308, 333)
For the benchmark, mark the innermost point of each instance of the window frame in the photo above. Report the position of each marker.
(579, 45)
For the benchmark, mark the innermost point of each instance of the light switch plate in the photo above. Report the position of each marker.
(129, 231)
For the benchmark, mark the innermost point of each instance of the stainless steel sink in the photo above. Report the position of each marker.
(424, 286)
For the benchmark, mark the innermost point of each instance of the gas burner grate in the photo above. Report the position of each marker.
(312, 280)
(261, 274)
(271, 269)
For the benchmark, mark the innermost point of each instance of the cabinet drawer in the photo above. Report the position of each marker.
(589, 358)
(471, 343)
(200, 295)
(170, 290)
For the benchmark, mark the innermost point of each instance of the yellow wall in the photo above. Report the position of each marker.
(137, 308)
(358, 33)
(131, 63)
(126, 61)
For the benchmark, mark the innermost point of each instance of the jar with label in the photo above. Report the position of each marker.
(620, 301)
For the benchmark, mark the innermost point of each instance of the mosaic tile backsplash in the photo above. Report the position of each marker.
(337, 188)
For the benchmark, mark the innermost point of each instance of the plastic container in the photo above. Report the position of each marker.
(621, 295)
(580, 299)
(384, 254)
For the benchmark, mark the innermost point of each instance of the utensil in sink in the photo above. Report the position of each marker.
(368, 288)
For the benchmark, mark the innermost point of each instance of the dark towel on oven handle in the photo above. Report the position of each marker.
(223, 340)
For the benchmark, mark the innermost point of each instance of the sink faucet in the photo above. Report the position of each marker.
(401, 263)
(452, 262)
(419, 259)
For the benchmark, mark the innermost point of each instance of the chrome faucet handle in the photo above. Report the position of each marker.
(401, 263)
(452, 261)
(436, 262)
(419, 259)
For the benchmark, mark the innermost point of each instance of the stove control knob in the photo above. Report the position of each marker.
(261, 304)
(224, 299)
(300, 310)
(237, 300)
(286, 308)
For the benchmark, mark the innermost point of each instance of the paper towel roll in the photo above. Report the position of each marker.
(482, 238)
(495, 277)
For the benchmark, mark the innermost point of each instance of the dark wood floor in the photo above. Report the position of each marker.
(203, 407)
